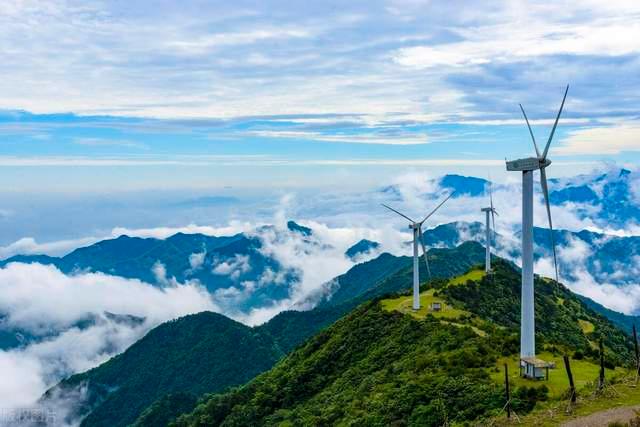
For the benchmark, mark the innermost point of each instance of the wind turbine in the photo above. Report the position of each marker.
(489, 210)
(416, 227)
(527, 166)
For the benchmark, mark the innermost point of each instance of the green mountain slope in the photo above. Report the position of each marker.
(623, 321)
(110, 385)
(384, 275)
(371, 368)
(559, 312)
(378, 366)
(199, 353)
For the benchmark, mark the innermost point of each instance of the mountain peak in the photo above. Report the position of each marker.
(297, 228)
(464, 185)
(362, 247)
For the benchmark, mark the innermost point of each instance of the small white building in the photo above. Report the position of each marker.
(534, 368)
(436, 306)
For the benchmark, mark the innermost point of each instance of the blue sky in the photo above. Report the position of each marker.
(104, 97)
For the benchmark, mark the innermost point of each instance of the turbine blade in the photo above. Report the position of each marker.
(437, 207)
(424, 252)
(545, 191)
(401, 214)
(553, 130)
(493, 234)
(490, 195)
(493, 220)
(533, 138)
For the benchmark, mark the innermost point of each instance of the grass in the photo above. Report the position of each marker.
(557, 412)
(587, 327)
(403, 304)
(475, 275)
(448, 314)
(584, 374)
(621, 393)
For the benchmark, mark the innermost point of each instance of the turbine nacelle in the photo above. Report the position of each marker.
(528, 164)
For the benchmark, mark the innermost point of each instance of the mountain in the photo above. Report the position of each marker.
(382, 366)
(363, 247)
(295, 227)
(622, 321)
(462, 185)
(612, 194)
(384, 275)
(225, 265)
(218, 263)
(605, 257)
(170, 360)
(200, 353)
(608, 198)
(372, 280)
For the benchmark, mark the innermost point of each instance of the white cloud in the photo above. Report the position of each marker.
(29, 246)
(233, 267)
(196, 260)
(42, 300)
(207, 43)
(615, 139)
(29, 289)
(315, 60)
(159, 272)
(511, 42)
(624, 299)
(103, 142)
(362, 137)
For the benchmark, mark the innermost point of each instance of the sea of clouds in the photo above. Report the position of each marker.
(46, 303)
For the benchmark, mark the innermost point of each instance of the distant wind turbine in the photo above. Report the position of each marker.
(527, 166)
(488, 230)
(416, 226)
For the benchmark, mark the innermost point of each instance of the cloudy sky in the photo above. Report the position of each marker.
(107, 105)
(114, 95)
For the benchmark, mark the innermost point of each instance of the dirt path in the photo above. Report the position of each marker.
(603, 418)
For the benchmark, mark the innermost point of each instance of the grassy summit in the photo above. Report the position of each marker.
(403, 304)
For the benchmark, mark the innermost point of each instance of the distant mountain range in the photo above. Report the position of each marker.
(607, 258)
(216, 262)
(609, 199)
(231, 262)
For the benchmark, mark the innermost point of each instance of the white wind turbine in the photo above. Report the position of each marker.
(527, 166)
(417, 237)
(488, 230)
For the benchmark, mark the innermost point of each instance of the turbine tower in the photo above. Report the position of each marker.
(488, 229)
(527, 167)
(416, 227)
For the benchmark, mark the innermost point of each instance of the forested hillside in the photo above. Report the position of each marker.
(110, 385)
(200, 353)
(380, 367)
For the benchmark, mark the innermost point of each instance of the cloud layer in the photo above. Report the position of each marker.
(42, 301)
